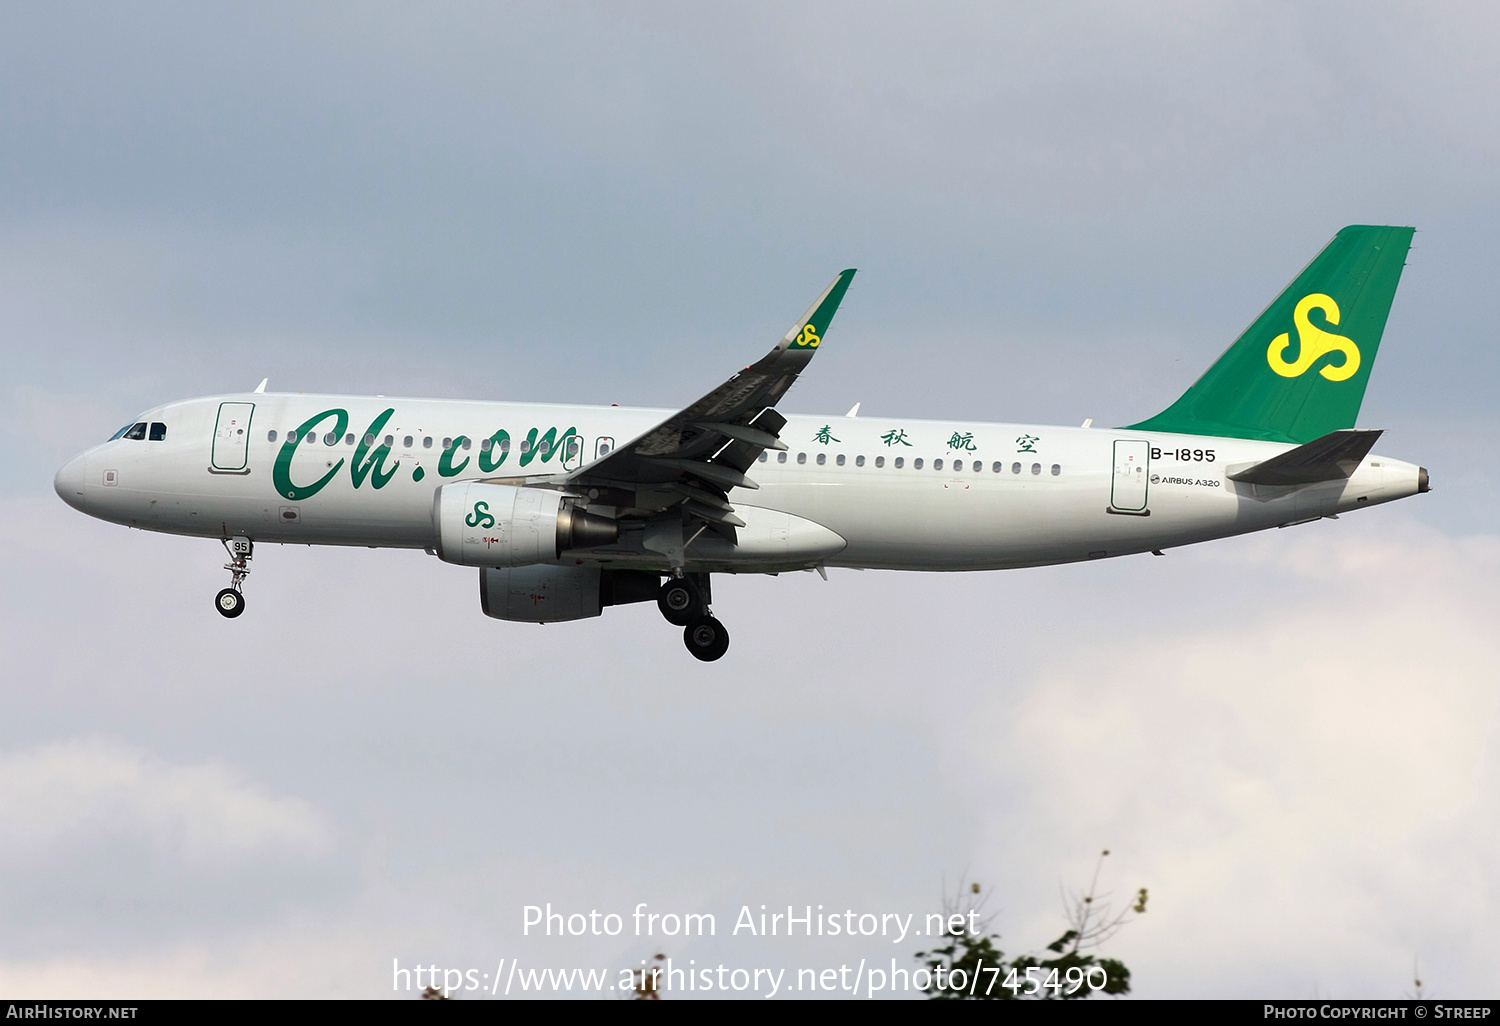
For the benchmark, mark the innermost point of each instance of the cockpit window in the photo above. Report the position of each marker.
(158, 431)
(120, 433)
(136, 432)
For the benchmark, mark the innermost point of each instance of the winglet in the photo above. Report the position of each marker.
(808, 332)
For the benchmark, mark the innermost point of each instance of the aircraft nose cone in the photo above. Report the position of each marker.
(69, 481)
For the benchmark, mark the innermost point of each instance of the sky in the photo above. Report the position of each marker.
(1059, 212)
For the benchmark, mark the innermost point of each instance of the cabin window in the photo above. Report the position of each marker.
(1056, 469)
(880, 461)
(958, 465)
(822, 458)
(136, 432)
(466, 442)
(349, 439)
(764, 456)
(408, 441)
(840, 459)
(271, 437)
(998, 467)
(158, 431)
(859, 461)
(544, 448)
(781, 457)
(330, 438)
(310, 438)
(900, 462)
(484, 446)
(505, 445)
(525, 445)
(447, 443)
(427, 442)
(937, 464)
(390, 440)
(916, 464)
(1036, 468)
(369, 440)
(802, 457)
(1015, 468)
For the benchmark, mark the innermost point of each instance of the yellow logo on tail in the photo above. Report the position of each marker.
(1314, 342)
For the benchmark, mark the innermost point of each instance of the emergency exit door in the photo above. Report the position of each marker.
(232, 438)
(572, 447)
(1132, 466)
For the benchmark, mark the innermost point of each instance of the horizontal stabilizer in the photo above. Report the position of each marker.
(1333, 457)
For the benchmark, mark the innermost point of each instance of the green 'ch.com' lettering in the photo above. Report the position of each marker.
(549, 444)
(281, 474)
(499, 443)
(370, 460)
(445, 461)
(376, 461)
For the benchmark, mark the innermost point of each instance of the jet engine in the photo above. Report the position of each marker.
(479, 524)
(550, 594)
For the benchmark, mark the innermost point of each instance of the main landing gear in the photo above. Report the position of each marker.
(230, 602)
(684, 602)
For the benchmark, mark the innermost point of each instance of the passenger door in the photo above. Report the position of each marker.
(1132, 463)
(231, 454)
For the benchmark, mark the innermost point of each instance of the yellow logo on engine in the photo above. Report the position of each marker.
(1313, 342)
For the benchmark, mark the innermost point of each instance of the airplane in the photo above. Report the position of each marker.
(565, 510)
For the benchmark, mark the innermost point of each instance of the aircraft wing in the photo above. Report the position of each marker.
(1334, 456)
(695, 457)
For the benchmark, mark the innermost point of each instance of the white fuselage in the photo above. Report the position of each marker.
(965, 495)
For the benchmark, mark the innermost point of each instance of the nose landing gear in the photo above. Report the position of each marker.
(230, 602)
(683, 601)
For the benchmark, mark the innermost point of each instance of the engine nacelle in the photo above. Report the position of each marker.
(479, 524)
(551, 594)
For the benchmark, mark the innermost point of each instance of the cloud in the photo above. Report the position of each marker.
(1280, 778)
(1287, 737)
(1059, 213)
(101, 840)
(99, 792)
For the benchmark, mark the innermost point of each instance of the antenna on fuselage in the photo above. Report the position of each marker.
(262, 386)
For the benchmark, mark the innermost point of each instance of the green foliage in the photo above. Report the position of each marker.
(1065, 976)
(1068, 970)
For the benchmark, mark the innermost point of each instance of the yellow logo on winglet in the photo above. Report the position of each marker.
(1314, 342)
(808, 339)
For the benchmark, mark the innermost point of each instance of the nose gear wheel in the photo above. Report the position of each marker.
(231, 602)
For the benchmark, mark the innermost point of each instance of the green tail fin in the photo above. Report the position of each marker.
(1300, 370)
